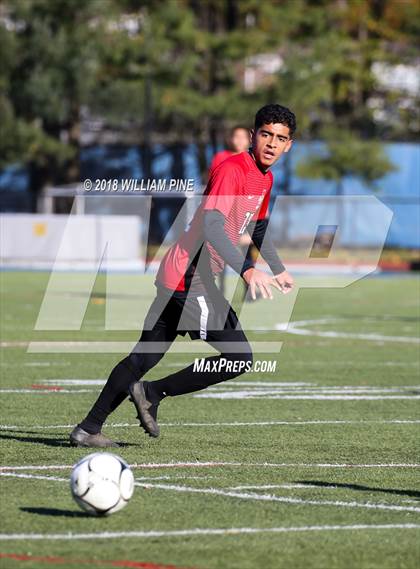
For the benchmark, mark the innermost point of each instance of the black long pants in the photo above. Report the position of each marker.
(204, 316)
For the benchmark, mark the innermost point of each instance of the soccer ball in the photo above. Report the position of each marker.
(102, 483)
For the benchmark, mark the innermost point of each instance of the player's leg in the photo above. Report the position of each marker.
(235, 358)
(127, 371)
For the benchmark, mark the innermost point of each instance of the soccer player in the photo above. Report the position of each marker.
(187, 300)
(238, 142)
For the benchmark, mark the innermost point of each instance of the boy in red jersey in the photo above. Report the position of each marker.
(238, 142)
(187, 300)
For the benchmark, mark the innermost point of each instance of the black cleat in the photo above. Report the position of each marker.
(146, 409)
(81, 438)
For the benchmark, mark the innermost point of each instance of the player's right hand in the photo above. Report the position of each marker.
(258, 279)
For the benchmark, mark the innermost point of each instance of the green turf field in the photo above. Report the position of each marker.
(313, 466)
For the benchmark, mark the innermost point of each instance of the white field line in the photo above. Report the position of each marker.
(282, 486)
(78, 382)
(256, 390)
(226, 395)
(258, 387)
(229, 424)
(296, 384)
(173, 477)
(352, 363)
(219, 464)
(312, 390)
(297, 327)
(320, 397)
(36, 364)
(32, 476)
(49, 391)
(116, 347)
(110, 347)
(243, 495)
(198, 532)
(67, 382)
(282, 499)
(141, 479)
(341, 363)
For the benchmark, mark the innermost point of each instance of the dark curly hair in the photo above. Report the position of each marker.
(270, 114)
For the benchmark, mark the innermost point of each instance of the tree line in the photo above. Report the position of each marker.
(182, 71)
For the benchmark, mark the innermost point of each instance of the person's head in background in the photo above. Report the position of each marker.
(239, 139)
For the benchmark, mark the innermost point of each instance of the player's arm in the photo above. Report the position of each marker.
(215, 234)
(262, 240)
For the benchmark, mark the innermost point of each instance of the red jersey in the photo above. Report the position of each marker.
(241, 192)
(219, 158)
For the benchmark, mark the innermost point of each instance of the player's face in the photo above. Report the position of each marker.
(269, 142)
(240, 140)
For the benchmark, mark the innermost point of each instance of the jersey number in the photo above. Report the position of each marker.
(247, 219)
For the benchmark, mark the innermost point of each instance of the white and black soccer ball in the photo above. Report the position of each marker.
(102, 483)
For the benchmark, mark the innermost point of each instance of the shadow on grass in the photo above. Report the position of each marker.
(55, 512)
(52, 442)
(361, 488)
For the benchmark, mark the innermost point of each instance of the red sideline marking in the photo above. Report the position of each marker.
(113, 563)
(47, 387)
(394, 265)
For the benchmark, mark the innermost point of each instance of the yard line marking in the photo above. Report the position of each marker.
(345, 390)
(140, 479)
(47, 390)
(221, 463)
(271, 383)
(262, 388)
(264, 396)
(284, 486)
(99, 381)
(78, 382)
(65, 382)
(145, 465)
(282, 499)
(146, 482)
(230, 424)
(299, 387)
(230, 392)
(121, 347)
(178, 477)
(198, 532)
(363, 363)
(284, 391)
(32, 476)
(297, 328)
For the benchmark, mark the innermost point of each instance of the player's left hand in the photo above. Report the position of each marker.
(285, 280)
